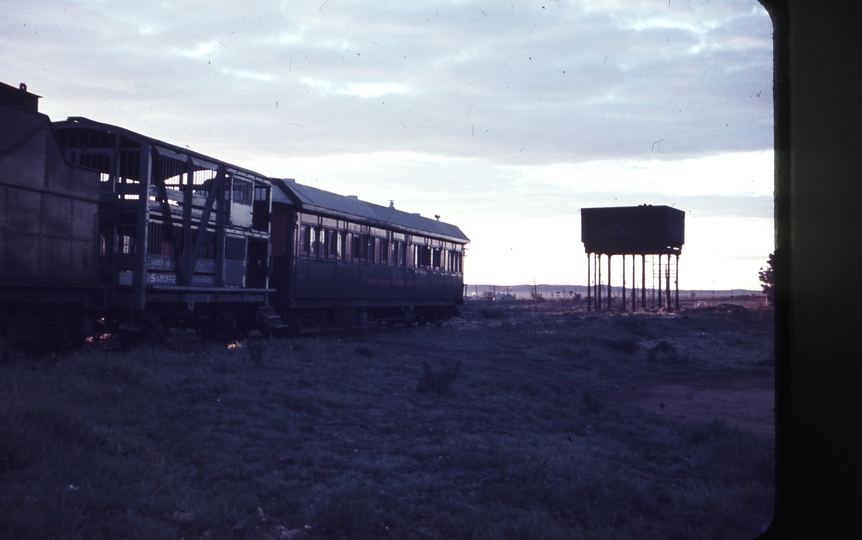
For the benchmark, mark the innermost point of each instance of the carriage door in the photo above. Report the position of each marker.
(258, 258)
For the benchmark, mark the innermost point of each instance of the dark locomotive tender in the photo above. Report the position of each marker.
(105, 229)
(48, 273)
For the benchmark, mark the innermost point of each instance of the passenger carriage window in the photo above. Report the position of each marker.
(356, 247)
(423, 257)
(304, 239)
(370, 244)
(384, 251)
(324, 243)
(342, 245)
(332, 243)
(313, 246)
(402, 254)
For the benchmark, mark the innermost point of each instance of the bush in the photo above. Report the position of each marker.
(624, 345)
(438, 381)
(363, 351)
(702, 432)
(493, 313)
(591, 403)
(256, 350)
(664, 353)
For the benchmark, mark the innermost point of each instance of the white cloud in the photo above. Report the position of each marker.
(743, 173)
(368, 90)
(320, 85)
(243, 74)
(147, 29)
(363, 90)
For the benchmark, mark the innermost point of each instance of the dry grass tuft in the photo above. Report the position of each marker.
(440, 380)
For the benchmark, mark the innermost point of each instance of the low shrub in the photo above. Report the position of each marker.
(493, 313)
(624, 345)
(664, 353)
(439, 381)
(591, 403)
(256, 350)
(363, 351)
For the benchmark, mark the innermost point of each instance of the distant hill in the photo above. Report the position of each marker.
(549, 292)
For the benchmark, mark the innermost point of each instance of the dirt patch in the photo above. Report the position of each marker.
(745, 402)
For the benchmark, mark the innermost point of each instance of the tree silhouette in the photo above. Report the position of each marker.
(767, 278)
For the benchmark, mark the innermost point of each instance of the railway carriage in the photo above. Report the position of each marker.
(183, 238)
(105, 229)
(338, 260)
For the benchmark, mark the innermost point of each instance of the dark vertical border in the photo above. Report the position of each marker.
(778, 11)
(818, 212)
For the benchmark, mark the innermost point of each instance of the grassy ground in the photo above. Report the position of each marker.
(495, 428)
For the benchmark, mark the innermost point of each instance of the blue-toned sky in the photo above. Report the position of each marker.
(504, 118)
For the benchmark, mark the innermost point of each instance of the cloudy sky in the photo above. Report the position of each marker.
(505, 118)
